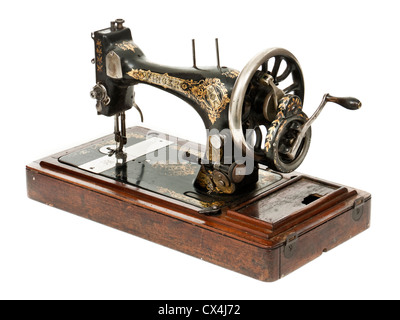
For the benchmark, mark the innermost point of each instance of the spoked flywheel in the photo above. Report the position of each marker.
(266, 110)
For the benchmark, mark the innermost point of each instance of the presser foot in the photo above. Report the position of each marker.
(120, 156)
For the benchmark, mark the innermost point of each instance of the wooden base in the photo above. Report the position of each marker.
(265, 235)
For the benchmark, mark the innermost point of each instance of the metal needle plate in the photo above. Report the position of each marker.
(135, 151)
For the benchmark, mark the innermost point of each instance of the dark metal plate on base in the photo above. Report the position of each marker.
(162, 170)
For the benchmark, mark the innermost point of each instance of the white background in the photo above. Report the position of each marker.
(344, 48)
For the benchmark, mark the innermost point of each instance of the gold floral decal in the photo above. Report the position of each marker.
(99, 56)
(173, 194)
(175, 169)
(289, 103)
(231, 74)
(126, 45)
(218, 204)
(210, 93)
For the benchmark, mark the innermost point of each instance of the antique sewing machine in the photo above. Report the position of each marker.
(237, 200)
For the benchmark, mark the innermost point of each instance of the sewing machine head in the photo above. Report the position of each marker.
(252, 117)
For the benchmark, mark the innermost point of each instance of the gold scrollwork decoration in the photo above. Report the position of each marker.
(210, 93)
(288, 104)
(126, 45)
(99, 56)
(175, 169)
(231, 74)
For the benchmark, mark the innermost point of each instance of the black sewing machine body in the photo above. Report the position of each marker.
(248, 121)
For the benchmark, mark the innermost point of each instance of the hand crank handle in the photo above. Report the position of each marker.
(346, 102)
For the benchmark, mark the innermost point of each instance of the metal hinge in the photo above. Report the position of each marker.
(290, 245)
(358, 209)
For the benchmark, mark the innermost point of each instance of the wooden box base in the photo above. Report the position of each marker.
(284, 224)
